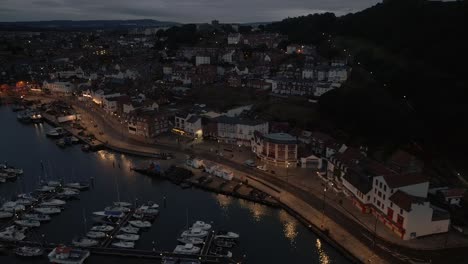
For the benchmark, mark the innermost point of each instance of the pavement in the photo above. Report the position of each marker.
(299, 189)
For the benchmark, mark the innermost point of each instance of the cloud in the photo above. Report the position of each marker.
(174, 10)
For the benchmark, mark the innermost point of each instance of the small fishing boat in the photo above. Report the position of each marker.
(226, 235)
(46, 188)
(122, 204)
(56, 132)
(124, 244)
(11, 206)
(53, 183)
(221, 252)
(12, 235)
(24, 202)
(77, 185)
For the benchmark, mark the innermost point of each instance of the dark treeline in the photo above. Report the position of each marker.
(416, 51)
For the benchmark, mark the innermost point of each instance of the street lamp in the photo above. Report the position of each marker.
(323, 206)
(287, 174)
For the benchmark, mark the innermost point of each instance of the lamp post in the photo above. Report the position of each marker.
(323, 206)
(287, 172)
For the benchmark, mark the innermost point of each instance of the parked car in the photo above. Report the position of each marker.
(250, 163)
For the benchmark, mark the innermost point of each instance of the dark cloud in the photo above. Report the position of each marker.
(174, 10)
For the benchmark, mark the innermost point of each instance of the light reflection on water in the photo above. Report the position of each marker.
(289, 226)
(258, 211)
(323, 256)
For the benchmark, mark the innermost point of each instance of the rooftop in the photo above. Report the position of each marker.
(280, 138)
(404, 200)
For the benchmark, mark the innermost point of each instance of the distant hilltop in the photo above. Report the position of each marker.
(84, 24)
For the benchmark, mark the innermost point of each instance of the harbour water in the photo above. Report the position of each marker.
(267, 235)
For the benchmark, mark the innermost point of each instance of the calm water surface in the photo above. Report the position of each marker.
(267, 235)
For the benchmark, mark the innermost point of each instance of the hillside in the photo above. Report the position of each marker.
(416, 52)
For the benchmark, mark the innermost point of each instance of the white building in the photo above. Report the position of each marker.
(397, 200)
(239, 131)
(188, 125)
(59, 87)
(308, 73)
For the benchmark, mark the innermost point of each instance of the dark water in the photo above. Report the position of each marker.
(267, 235)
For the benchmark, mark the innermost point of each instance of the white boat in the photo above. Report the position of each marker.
(186, 249)
(29, 251)
(148, 210)
(130, 229)
(2, 179)
(124, 244)
(114, 214)
(102, 228)
(53, 183)
(194, 232)
(67, 255)
(68, 193)
(37, 217)
(85, 242)
(12, 235)
(46, 188)
(24, 202)
(140, 224)
(12, 170)
(128, 237)
(77, 186)
(48, 210)
(27, 196)
(11, 206)
(226, 235)
(191, 240)
(117, 209)
(96, 234)
(202, 225)
(53, 202)
(122, 204)
(4, 215)
(56, 132)
(28, 223)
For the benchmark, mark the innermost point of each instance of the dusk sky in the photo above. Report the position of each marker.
(174, 10)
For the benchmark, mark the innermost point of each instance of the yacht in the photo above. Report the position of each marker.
(29, 251)
(56, 132)
(37, 217)
(148, 210)
(191, 240)
(25, 202)
(48, 210)
(226, 235)
(194, 232)
(2, 179)
(128, 237)
(124, 244)
(67, 193)
(117, 209)
(28, 223)
(77, 185)
(4, 215)
(130, 229)
(202, 225)
(186, 249)
(12, 207)
(85, 242)
(140, 224)
(96, 234)
(102, 228)
(113, 214)
(27, 196)
(53, 202)
(67, 255)
(8, 176)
